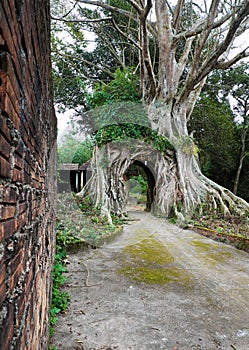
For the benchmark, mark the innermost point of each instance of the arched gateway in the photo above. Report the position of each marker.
(148, 172)
(111, 162)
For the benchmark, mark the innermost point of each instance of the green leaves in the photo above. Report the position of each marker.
(214, 130)
(220, 121)
(60, 299)
(83, 152)
(72, 150)
(112, 133)
(124, 87)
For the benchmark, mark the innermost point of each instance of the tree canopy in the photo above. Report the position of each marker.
(72, 150)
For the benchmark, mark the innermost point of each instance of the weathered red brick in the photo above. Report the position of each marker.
(10, 109)
(3, 80)
(27, 178)
(9, 33)
(18, 161)
(7, 229)
(28, 141)
(22, 207)
(5, 147)
(24, 342)
(4, 167)
(2, 41)
(28, 158)
(12, 87)
(4, 129)
(20, 304)
(2, 282)
(22, 219)
(10, 195)
(7, 211)
(16, 268)
(24, 194)
(18, 175)
(29, 281)
(20, 148)
(8, 326)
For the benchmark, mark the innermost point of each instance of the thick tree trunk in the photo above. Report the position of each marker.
(193, 191)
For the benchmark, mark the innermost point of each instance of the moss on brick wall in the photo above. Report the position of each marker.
(27, 174)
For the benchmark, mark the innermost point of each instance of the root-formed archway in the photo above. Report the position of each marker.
(111, 162)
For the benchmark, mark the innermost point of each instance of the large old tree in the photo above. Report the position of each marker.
(179, 44)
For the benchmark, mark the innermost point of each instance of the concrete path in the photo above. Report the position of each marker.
(157, 287)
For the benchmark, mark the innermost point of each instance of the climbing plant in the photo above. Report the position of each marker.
(112, 133)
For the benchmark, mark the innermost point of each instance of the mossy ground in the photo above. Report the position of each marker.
(203, 307)
(150, 262)
(213, 254)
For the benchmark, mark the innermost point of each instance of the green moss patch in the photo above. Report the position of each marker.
(212, 253)
(151, 262)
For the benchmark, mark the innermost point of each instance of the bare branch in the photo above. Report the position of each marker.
(108, 7)
(222, 47)
(136, 7)
(170, 8)
(107, 71)
(199, 28)
(108, 42)
(147, 8)
(81, 59)
(213, 11)
(128, 37)
(184, 58)
(193, 98)
(69, 11)
(203, 38)
(200, 70)
(142, 12)
(232, 61)
(122, 12)
(94, 20)
(167, 49)
(148, 82)
(177, 14)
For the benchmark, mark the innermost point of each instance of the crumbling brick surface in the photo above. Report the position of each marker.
(27, 174)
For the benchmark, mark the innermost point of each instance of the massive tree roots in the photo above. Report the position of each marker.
(180, 187)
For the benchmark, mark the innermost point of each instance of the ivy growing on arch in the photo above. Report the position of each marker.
(116, 132)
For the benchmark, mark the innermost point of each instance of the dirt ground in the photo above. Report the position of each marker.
(156, 287)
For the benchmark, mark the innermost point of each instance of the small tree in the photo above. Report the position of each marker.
(238, 80)
(72, 150)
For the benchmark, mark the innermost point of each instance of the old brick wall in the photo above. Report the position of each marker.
(27, 174)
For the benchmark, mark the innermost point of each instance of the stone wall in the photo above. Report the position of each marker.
(27, 174)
